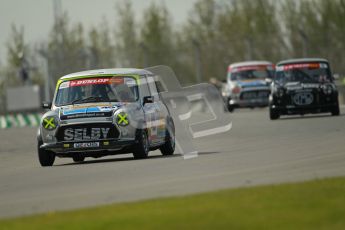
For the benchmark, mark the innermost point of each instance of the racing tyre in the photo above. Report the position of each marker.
(78, 158)
(141, 150)
(335, 110)
(231, 108)
(45, 157)
(274, 114)
(169, 146)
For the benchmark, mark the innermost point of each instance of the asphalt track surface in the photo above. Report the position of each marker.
(255, 151)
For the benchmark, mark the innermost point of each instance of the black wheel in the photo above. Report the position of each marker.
(335, 111)
(78, 158)
(169, 146)
(274, 114)
(45, 157)
(231, 108)
(141, 149)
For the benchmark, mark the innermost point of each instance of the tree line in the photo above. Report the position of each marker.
(216, 34)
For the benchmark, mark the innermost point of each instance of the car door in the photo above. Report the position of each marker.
(161, 111)
(151, 112)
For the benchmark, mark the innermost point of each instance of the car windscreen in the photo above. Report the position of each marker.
(251, 72)
(97, 89)
(314, 72)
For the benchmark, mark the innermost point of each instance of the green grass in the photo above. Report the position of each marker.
(318, 204)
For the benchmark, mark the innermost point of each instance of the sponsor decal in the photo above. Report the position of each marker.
(85, 115)
(64, 85)
(49, 123)
(105, 108)
(85, 134)
(73, 111)
(87, 110)
(310, 85)
(161, 128)
(130, 81)
(88, 105)
(122, 119)
(117, 81)
(102, 111)
(304, 86)
(98, 81)
(252, 67)
(90, 81)
(302, 66)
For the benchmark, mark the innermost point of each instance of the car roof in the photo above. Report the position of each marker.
(115, 71)
(249, 63)
(301, 60)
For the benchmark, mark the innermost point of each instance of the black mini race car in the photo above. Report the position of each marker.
(302, 86)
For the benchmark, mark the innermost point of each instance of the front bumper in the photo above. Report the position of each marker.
(293, 109)
(259, 102)
(250, 97)
(104, 146)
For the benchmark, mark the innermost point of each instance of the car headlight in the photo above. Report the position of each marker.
(50, 123)
(122, 119)
(327, 89)
(236, 90)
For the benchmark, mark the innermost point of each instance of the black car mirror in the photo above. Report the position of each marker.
(147, 99)
(46, 105)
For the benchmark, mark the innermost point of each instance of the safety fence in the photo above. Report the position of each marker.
(20, 120)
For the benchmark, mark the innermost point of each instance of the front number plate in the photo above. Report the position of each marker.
(86, 145)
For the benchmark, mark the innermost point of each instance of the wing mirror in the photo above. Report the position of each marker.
(147, 99)
(46, 105)
(336, 77)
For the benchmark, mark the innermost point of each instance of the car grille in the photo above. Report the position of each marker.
(84, 132)
(304, 98)
(255, 94)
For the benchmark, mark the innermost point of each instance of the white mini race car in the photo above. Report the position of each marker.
(248, 84)
(105, 112)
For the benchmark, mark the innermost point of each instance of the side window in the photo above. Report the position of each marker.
(144, 89)
(160, 87)
(152, 86)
